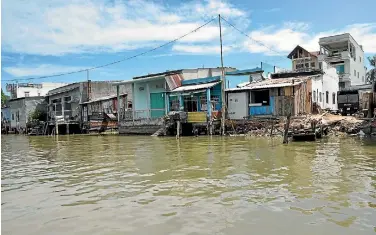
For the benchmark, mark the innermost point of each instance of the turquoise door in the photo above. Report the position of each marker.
(157, 104)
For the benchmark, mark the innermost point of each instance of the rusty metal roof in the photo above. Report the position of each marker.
(272, 83)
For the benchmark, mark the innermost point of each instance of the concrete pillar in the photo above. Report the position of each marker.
(208, 104)
(118, 102)
(133, 103)
(167, 102)
(148, 100)
(181, 103)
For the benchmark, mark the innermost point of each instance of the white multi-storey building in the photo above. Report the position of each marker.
(20, 90)
(325, 84)
(347, 56)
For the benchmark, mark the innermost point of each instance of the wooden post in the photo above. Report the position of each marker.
(271, 131)
(67, 130)
(223, 82)
(178, 130)
(287, 125)
(118, 103)
(133, 103)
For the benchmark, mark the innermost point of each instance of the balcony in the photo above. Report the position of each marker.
(335, 57)
(344, 77)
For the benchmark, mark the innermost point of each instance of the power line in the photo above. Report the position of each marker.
(258, 42)
(272, 50)
(118, 61)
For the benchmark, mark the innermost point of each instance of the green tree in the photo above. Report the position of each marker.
(3, 98)
(371, 75)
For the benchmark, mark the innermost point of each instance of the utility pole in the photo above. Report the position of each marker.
(56, 124)
(223, 81)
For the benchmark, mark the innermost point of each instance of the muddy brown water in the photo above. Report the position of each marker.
(146, 185)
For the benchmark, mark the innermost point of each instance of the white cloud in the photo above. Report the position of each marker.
(59, 27)
(40, 70)
(284, 39)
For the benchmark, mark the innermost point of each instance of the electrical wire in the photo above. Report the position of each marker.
(118, 61)
(252, 39)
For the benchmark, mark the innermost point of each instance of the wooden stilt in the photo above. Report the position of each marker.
(178, 130)
(287, 125)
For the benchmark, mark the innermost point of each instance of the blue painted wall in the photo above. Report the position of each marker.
(268, 68)
(216, 91)
(232, 81)
(262, 110)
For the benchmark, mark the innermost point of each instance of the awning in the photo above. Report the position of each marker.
(195, 87)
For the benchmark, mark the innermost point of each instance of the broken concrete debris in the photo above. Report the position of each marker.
(329, 123)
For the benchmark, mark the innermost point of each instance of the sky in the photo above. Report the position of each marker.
(42, 37)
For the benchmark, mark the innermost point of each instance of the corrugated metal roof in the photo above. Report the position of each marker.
(271, 83)
(102, 98)
(195, 87)
(197, 81)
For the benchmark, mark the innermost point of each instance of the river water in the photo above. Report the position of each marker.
(146, 185)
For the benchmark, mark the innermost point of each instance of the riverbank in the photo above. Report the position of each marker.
(332, 124)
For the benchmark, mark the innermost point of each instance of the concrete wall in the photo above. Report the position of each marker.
(17, 105)
(142, 96)
(24, 107)
(75, 95)
(204, 72)
(326, 83)
(102, 89)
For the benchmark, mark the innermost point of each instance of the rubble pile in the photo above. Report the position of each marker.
(333, 124)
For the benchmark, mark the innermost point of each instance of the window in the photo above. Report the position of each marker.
(360, 59)
(340, 69)
(342, 85)
(260, 97)
(299, 66)
(362, 78)
(174, 103)
(67, 103)
(38, 93)
(320, 97)
(314, 96)
(215, 102)
(354, 72)
(190, 103)
(358, 74)
(13, 116)
(313, 64)
(327, 97)
(334, 98)
(307, 65)
(320, 65)
(27, 94)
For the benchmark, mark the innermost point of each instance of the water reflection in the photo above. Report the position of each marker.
(204, 185)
